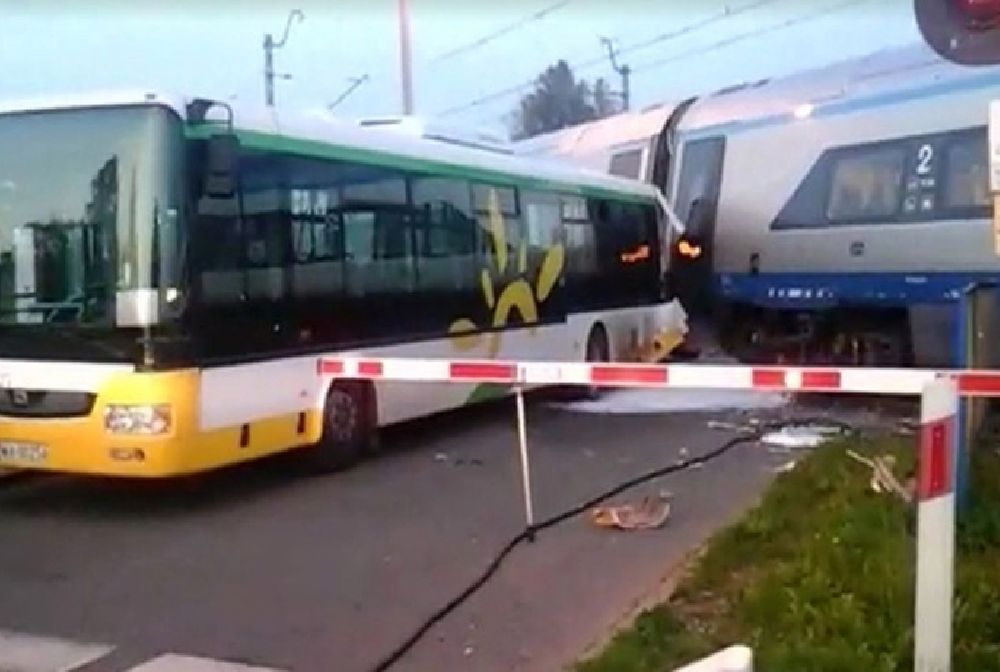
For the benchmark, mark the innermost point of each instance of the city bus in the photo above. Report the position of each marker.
(172, 270)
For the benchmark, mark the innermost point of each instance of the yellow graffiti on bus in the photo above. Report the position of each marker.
(518, 293)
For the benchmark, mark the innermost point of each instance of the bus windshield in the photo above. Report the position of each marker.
(88, 215)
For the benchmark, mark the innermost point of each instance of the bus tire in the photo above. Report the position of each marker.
(598, 352)
(348, 427)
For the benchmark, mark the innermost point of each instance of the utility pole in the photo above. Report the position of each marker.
(624, 70)
(355, 83)
(269, 46)
(406, 73)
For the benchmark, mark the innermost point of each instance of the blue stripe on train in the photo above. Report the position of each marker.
(827, 290)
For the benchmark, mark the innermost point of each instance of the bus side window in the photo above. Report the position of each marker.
(266, 226)
(544, 231)
(582, 279)
(378, 260)
(448, 267)
(217, 243)
(491, 203)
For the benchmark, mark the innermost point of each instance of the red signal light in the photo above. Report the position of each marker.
(980, 13)
(966, 32)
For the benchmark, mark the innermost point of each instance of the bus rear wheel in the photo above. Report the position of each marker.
(348, 429)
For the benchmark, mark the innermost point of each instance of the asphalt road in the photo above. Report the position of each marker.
(267, 567)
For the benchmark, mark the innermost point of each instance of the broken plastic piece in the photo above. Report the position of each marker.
(650, 513)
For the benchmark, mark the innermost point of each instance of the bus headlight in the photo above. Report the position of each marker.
(148, 419)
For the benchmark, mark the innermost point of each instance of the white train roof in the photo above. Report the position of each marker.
(807, 92)
(322, 127)
(803, 93)
(599, 135)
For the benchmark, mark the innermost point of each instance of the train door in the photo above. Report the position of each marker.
(697, 204)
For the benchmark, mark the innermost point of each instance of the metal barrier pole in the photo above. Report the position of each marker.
(937, 455)
(522, 436)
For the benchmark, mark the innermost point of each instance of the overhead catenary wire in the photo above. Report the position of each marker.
(748, 35)
(530, 532)
(676, 33)
(500, 32)
(699, 51)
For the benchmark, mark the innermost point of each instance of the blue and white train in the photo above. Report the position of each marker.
(835, 215)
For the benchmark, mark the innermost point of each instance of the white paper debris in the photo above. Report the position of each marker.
(807, 436)
(785, 468)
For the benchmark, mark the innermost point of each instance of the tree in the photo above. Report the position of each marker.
(560, 100)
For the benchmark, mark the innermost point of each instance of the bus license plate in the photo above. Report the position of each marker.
(23, 452)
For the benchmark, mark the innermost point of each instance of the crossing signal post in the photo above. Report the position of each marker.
(966, 32)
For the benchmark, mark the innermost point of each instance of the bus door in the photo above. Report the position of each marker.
(697, 205)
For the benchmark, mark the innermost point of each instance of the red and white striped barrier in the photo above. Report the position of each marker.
(737, 658)
(847, 380)
(939, 390)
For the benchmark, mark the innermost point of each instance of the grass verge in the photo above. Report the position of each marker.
(820, 576)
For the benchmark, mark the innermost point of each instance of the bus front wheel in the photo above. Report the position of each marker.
(347, 427)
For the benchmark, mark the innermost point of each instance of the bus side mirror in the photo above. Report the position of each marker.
(222, 163)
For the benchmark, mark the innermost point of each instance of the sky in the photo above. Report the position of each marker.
(469, 56)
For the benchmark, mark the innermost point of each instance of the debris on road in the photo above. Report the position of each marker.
(458, 461)
(649, 513)
(785, 468)
(883, 479)
(907, 427)
(802, 436)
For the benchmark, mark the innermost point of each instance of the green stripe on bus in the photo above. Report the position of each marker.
(281, 143)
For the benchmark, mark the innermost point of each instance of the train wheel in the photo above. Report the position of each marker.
(347, 428)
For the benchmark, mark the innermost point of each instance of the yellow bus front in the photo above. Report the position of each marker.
(125, 424)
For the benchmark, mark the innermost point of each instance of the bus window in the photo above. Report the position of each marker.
(491, 202)
(544, 233)
(446, 235)
(266, 226)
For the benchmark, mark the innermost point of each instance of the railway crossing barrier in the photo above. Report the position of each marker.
(938, 454)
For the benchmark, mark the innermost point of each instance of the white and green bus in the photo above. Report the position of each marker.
(171, 271)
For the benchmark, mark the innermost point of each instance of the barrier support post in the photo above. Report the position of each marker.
(936, 473)
(522, 437)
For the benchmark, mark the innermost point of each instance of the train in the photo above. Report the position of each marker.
(832, 216)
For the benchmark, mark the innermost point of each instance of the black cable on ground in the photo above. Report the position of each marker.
(529, 533)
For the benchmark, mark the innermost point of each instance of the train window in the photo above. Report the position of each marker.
(967, 180)
(866, 184)
(700, 181)
(627, 164)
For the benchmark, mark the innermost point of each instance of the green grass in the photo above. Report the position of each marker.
(820, 576)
